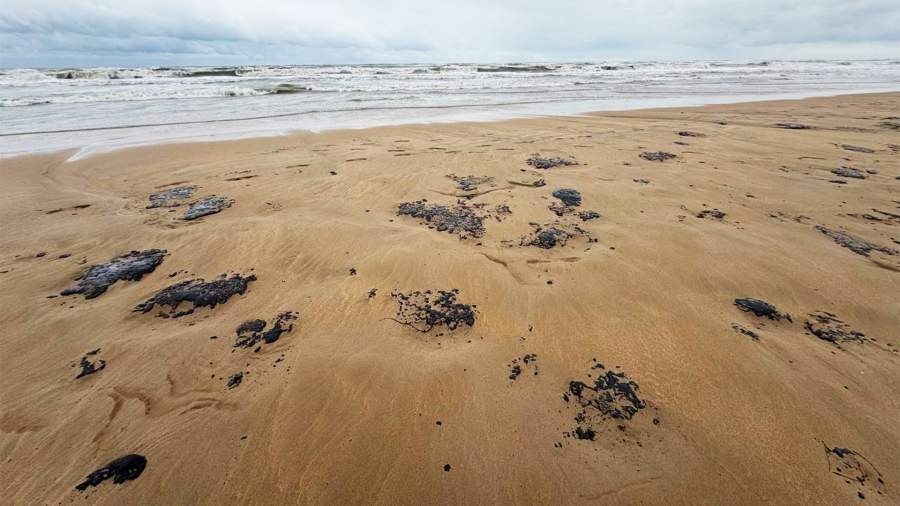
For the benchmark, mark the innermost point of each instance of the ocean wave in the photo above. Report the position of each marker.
(517, 68)
(158, 94)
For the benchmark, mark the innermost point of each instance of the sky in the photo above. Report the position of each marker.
(79, 33)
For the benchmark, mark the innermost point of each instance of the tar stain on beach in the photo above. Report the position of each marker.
(553, 235)
(120, 470)
(253, 332)
(539, 162)
(657, 156)
(761, 309)
(855, 470)
(849, 172)
(235, 380)
(857, 149)
(459, 219)
(426, 310)
(89, 365)
(172, 197)
(740, 329)
(792, 126)
(711, 213)
(198, 292)
(518, 365)
(611, 397)
(568, 200)
(207, 205)
(469, 183)
(131, 267)
(828, 327)
(853, 243)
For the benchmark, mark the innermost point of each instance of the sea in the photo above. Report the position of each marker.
(97, 109)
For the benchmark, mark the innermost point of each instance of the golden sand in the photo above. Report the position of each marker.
(345, 407)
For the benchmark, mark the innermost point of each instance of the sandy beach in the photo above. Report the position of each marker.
(688, 306)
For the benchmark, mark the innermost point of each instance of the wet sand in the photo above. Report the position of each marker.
(610, 364)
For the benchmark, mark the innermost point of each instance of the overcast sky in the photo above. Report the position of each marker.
(62, 33)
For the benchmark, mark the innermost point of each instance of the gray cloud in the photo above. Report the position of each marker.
(96, 32)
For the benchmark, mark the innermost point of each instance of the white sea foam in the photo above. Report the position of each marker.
(44, 109)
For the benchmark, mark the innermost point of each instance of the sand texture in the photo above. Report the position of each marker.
(418, 315)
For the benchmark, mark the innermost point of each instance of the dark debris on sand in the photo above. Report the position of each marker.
(857, 149)
(569, 200)
(856, 469)
(460, 219)
(711, 213)
(568, 196)
(761, 309)
(426, 310)
(657, 156)
(686, 133)
(171, 197)
(792, 126)
(539, 162)
(469, 183)
(853, 243)
(517, 366)
(828, 327)
(235, 380)
(89, 366)
(198, 292)
(252, 332)
(131, 267)
(612, 396)
(206, 206)
(549, 236)
(588, 215)
(740, 329)
(849, 172)
(120, 470)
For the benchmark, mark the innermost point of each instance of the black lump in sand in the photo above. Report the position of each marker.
(854, 469)
(568, 196)
(131, 267)
(198, 292)
(857, 149)
(517, 366)
(849, 172)
(612, 396)
(547, 238)
(657, 156)
(459, 219)
(206, 206)
(792, 126)
(235, 380)
(853, 243)
(89, 366)
(469, 183)
(539, 162)
(171, 197)
(828, 327)
(425, 310)
(120, 470)
(740, 329)
(761, 309)
(252, 332)
(711, 213)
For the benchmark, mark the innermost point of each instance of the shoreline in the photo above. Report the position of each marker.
(492, 116)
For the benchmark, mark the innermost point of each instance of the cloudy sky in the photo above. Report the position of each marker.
(63, 33)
